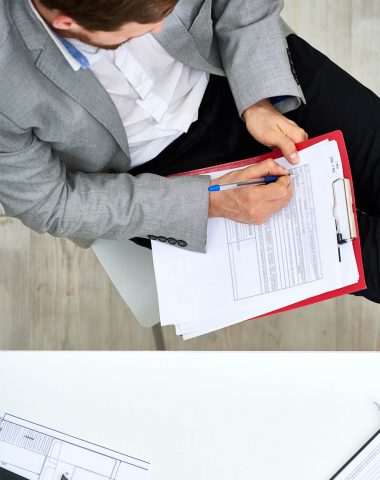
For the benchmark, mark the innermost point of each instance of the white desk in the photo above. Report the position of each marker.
(267, 416)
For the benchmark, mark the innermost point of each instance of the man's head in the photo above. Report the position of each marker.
(105, 23)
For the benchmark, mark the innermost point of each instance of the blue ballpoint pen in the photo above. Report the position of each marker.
(257, 181)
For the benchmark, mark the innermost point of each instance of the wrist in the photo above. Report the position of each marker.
(213, 210)
(248, 112)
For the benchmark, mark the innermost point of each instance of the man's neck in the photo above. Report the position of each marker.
(46, 14)
(48, 17)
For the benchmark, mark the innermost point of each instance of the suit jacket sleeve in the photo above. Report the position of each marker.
(254, 52)
(36, 188)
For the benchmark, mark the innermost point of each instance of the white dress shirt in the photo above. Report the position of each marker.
(157, 97)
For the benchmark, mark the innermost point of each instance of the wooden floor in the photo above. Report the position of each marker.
(54, 295)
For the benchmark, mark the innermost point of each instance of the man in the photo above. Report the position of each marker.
(100, 100)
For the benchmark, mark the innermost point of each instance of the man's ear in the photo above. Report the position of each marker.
(63, 22)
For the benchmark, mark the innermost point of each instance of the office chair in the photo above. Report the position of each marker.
(130, 268)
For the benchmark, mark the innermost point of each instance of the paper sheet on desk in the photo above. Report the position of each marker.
(365, 465)
(39, 453)
(251, 270)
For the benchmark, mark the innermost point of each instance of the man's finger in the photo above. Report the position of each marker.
(295, 133)
(279, 190)
(261, 169)
(258, 170)
(287, 146)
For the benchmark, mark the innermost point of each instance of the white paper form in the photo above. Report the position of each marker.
(364, 466)
(285, 249)
(250, 270)
(39, 453)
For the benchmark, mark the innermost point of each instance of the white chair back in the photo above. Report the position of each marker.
(130, 269)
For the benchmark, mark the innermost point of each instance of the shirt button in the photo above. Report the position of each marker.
(182, 243)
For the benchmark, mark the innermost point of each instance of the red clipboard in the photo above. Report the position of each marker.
(338, 137)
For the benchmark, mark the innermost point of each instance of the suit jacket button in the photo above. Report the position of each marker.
(292, 67)
(172, 241)
(152, 237)
(162, 239)
(295, 76)
(182, 243)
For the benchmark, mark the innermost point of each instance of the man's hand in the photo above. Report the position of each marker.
(269, 127)
(253, 204)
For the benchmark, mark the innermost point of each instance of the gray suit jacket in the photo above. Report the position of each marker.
(61, 135)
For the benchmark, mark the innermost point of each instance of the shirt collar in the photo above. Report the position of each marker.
(73, 56)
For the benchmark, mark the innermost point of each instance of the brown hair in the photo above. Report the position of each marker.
(110, 15)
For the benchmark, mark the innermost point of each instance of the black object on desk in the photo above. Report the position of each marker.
(7, 475)
(355, 455)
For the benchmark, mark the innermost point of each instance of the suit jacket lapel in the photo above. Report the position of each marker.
(84, 88)
(178, 42)
(81, 86)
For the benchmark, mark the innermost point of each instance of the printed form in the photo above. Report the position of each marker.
(250, 270)
(38, 453)
(282, 253)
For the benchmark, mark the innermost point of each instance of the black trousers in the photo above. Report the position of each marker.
(335, 101)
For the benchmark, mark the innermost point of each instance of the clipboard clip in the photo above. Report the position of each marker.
(352, 232)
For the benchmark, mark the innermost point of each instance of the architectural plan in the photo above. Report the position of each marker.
(39, 453)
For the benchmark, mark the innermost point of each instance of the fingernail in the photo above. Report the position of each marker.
(294, 157)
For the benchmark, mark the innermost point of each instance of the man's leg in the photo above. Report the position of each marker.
(369, 227)
(336, 101)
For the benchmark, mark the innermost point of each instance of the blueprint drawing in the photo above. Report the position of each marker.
(39, 453)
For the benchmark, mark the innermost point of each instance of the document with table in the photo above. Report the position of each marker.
(302, 252)
(35, 452)
(365, 464)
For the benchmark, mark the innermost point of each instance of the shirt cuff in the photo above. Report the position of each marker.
(281, 98)
(286, 103)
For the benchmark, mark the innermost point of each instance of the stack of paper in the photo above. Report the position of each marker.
(251, 270)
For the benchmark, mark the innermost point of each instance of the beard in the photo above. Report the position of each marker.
(85, 38)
